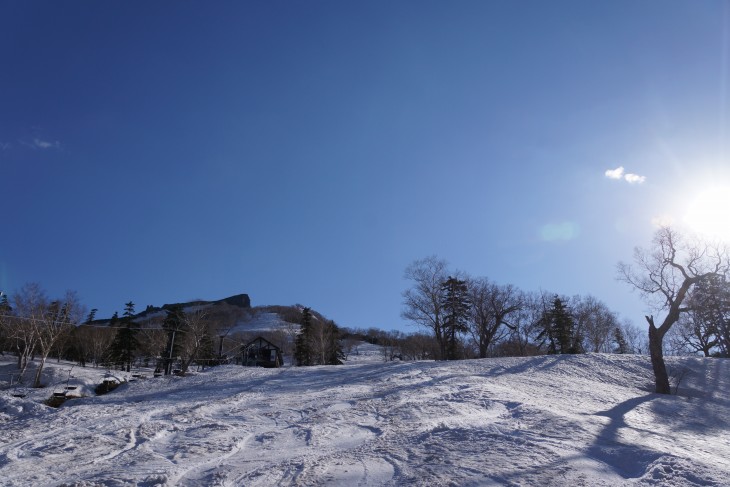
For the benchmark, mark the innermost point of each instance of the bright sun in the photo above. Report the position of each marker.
(709, 213)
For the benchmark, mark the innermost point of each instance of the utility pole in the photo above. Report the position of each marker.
(168, 369)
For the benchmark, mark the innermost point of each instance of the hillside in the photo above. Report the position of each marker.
(239, 304)
(233, 314)
(552, 420)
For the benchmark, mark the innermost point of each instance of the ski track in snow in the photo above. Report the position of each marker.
(551, 421)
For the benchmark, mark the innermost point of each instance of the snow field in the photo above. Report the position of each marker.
(558, 420)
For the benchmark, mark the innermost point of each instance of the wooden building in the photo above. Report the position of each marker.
(260, 352)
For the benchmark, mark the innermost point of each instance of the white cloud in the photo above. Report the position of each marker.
(615, 173)
(634, 178)
(4, 145)
(619, 173)
(44, 144)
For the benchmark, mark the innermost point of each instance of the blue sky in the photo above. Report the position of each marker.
(307, 152)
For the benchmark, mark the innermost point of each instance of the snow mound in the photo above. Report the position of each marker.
(559, 420)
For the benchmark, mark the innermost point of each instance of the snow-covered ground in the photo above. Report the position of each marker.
(261, 322)
(558, 420)
(364, 352)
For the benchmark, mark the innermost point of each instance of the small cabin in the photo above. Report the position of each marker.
(261, 353)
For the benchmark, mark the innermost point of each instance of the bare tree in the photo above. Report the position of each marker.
(492, 306)
(706, 330)
(324, 342)
(30, 306)
(594, 323)
(350, 345)
(196, 337)
(390, 345)
(524, 326)
(422, 302)
(664, 275)
(152, 338)
(21, 336)
(418, 346)
(636, 340)
(43, 323)
(696, 335)
(100, 341)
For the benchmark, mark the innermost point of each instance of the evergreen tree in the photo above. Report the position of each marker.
(125, 344)
(128, 311)
(92, 315)
(559, 329)
(303, 341)
(456, 305)
(5, 308)
(334, 354)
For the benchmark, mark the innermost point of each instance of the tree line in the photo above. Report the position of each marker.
(470, 317)
(684, 279)
(34, 327)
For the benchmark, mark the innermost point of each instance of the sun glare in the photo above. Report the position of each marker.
(709, 213)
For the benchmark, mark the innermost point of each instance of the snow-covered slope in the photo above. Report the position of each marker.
(262, 322)
(559, 420)
(363, 352)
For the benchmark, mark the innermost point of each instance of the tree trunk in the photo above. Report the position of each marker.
(186, 364)
(661, 379)
(39, 372)
(441, 339)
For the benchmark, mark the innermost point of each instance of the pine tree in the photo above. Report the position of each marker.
(128, 311)
(456, 306)
(334, 354)
(125, 344)
(92, 315)
(5, 308)
(558, 328)
(303, 341)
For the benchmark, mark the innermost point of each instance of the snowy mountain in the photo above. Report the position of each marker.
(261, 322)
(553, 420)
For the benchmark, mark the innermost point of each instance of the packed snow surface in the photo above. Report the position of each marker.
(587, 420)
